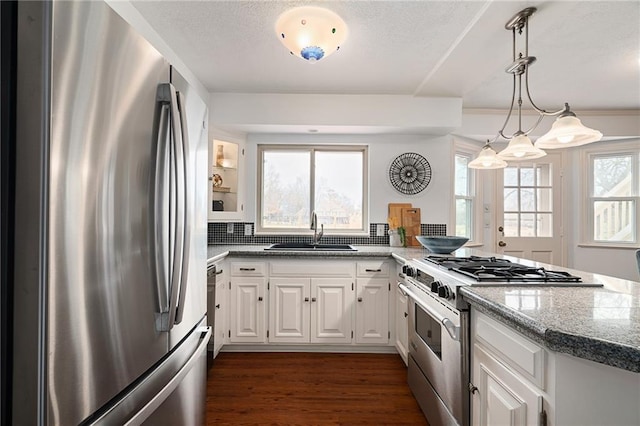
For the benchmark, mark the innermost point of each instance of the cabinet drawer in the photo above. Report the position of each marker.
(525, 356)
(312, 269)
(248, 269)
(373, 268)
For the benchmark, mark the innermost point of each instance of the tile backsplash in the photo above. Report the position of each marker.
(218, 234)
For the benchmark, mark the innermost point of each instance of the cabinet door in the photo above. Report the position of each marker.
(247, 322)
(372, 310)
(331, 300)
(502, 398)
(402, 325)
(211, 300)
(226, 161)
(221, 308)
(289, 307)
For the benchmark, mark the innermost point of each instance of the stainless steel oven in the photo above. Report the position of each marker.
(438, 371)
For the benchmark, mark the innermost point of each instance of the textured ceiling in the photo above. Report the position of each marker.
(588, 52)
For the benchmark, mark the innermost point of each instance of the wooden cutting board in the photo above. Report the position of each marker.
(411, 224)
(395, 211)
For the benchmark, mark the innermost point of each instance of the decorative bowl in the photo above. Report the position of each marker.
(442, 244)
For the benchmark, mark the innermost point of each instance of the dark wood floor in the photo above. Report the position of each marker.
(310, 388)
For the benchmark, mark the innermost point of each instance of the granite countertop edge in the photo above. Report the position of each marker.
(590, 348)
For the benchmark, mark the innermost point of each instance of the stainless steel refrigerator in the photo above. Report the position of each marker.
(106, 308)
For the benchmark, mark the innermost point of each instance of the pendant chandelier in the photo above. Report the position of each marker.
(311, 33)
(567, 130)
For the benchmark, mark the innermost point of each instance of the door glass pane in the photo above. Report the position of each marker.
(527, 200)
(510, 224)
(510, 176)
(463, 218)
(511, 199)
(544, 200)
(338, 189)
(613, 220)
(527, 225)
(545, 225)
(612, 176)
(527, 176)
(285, 196)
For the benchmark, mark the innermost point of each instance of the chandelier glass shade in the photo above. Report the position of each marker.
(567, 130)
(311, 33)
(521, 148)
(487, 159)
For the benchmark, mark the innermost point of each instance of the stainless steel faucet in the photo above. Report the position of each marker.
(314, 225)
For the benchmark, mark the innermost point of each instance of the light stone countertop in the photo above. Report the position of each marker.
(601, 324)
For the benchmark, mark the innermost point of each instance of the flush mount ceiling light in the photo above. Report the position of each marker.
(310, 32)
(567, 131)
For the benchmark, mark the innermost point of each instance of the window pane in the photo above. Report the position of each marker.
(463, 218)
(527, 200)
(544, 200)
(511, 224)
(545, 225)
(462, 176)
(527, 225)
(526, 176)
(613, 220)
(511, 200)
(286, 185)
(511, 176)
(612, 176)
(338, 189)
(543, 175)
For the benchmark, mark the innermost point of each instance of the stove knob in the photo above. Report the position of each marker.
(444, 291)
(410, 271)
(435, 285)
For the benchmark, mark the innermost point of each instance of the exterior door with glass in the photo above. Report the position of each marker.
(529, 210)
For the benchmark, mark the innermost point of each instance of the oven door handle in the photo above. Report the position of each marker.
(454, 332)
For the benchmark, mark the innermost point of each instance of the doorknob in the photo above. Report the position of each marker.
(501, 243)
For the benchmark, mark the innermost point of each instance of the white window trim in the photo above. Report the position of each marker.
(259, 230)
(612, 148)
(475, 185)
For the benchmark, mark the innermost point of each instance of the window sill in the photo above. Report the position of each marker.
(609, 246)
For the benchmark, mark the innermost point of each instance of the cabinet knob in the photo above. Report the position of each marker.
(473, 388)
(313, 299)
(406, 314)
(359, 299)
(260, 299)
(218, 306)
(306, 299)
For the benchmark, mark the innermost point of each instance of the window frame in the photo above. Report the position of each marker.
(474, 184)
(312, 149)
(588, 157)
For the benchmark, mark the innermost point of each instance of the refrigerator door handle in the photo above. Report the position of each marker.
(160, 224)
(159, 398)
(167, 97)
(186, 240)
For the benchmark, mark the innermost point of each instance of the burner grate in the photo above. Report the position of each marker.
(516, 273)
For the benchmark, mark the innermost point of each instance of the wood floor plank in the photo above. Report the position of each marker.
(310, 388)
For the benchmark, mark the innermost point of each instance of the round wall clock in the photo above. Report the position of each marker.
(410, 173)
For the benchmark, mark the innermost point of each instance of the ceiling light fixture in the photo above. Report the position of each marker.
(567, 130)
(310, 32)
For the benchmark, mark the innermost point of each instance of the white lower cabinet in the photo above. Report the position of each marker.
(372, 310)
(220, 308)
(502, 398)
(402, 324)
(247, 316)
(521, 383)
(310, 310)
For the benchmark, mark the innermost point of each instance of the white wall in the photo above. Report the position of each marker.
(434, 202)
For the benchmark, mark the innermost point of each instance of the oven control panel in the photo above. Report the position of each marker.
(440, 285)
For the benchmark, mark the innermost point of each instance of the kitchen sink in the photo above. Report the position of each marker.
(310, 247)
